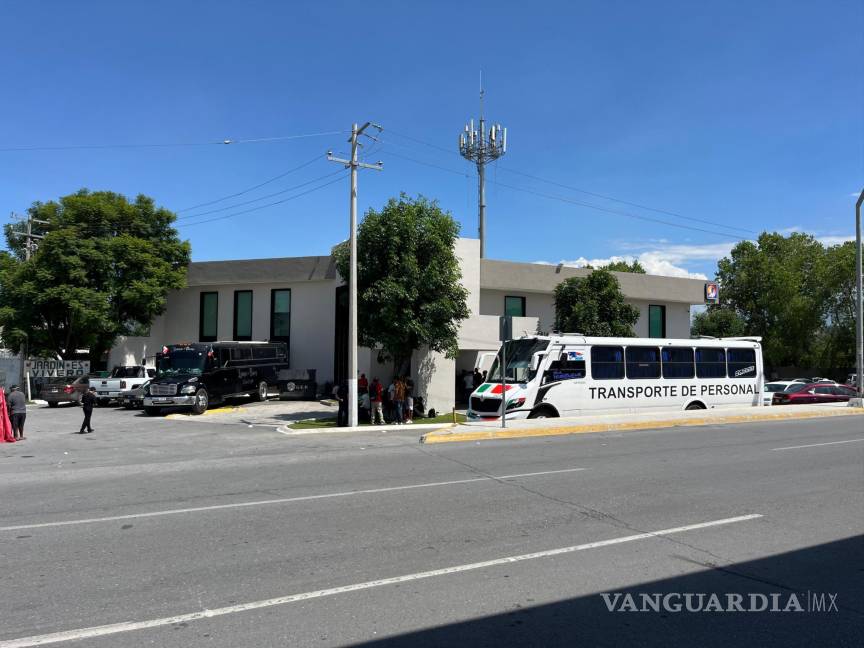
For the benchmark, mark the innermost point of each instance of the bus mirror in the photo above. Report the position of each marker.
(535, 360)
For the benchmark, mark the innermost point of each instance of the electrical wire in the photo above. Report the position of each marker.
(258, 186)
(73, 147)
(264, 197)
(278, 202)
(577, 189)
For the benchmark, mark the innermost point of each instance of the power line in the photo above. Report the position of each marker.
(73, 147)
(254, 200)
(584, 191)
(576, 202)
(278, 202)
(428, 164)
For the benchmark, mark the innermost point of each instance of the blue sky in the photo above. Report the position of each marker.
(742, 114)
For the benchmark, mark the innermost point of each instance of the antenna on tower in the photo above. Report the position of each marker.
(481, 147)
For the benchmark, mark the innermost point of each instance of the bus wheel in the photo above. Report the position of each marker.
(201, 402)
(695, 405)
(542, 413)
(152, 411)
(263, 390)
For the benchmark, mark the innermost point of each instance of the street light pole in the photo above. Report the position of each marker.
(859, 311)
(354, 164)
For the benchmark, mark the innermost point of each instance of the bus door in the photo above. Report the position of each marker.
(564, 384)
(223, 377)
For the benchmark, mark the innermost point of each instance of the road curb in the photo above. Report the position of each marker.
(439, 436)
(287, 430)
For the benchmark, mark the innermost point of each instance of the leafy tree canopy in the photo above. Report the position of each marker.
(103, 270)
(623, 266)
(594, 305)
(718, 322)
(408, 279)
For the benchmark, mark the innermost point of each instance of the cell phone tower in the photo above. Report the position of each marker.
(480, 147)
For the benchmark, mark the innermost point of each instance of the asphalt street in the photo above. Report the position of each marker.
(155, 532)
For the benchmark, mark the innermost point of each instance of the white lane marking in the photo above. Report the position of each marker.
(283, 500)
(814, 445)
(114, 628)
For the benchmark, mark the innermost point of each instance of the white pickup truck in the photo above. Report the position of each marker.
(121, 379)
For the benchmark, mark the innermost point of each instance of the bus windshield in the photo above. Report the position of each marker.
(182, 361)
(518, 355)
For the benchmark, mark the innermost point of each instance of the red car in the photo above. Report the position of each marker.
(806, 393)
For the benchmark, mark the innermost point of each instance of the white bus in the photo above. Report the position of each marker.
(572, 374)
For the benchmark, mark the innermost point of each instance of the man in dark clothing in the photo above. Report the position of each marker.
(342, 395)
(17, 411)
(88, 400)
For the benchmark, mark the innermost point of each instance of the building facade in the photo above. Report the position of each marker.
(303, 302)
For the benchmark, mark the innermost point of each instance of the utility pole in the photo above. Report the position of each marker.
(30, 246)
(354, 164)
(859, 310)
(481, 147)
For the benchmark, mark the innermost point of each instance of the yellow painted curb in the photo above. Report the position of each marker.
(209, 412)
(438, 437)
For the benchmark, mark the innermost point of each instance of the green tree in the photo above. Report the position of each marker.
(777, 286)
(103, 270)
(835, 343)
(718, 321)
(623, 266)
(594, 305)
(408, 279)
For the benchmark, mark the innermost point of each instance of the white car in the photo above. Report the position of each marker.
(770, 388)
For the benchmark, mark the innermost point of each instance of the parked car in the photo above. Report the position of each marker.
(801, 393)
(121, 378)
(67, 389)
(770, 388)
(133, 398)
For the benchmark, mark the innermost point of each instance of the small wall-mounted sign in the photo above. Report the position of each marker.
(712, 292)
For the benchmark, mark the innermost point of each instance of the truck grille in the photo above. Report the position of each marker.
(163, 390)
(485, 404)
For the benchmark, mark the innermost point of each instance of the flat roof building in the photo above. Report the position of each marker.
(303, 302)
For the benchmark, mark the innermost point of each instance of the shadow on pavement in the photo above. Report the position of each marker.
(835, 567)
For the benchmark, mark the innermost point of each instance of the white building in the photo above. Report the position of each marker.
(303, 301)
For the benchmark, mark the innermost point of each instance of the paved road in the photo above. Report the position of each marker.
(173, 533)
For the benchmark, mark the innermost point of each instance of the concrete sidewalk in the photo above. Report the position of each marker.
(482, 430)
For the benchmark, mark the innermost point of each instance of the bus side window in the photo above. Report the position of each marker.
(607, 362)
(643, 362)
(742, 363)
(569, 366)
(241, 353)
(678, 362)
(224, 357)
(710, 362)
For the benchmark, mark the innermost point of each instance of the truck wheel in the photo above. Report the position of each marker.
(53, 403)
(201, 402)
(261, 393)
(152, 411)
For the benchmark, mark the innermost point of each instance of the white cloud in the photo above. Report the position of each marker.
(834, 240)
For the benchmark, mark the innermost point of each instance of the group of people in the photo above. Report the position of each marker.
(394, 403)
(467, 382)
(13, 413)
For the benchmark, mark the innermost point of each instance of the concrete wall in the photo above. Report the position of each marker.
(433, 379)
(313, 306)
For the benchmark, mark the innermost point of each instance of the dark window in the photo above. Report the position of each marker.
(825, 390)
(742, 363)
(208, 317)
(242, 314)
(280, 315)
(840, 390)
(570, 365)
(710, 363)
(678, 362)
(241, 353)
(607, 363)
(263, 352)
(514, 306)
(643, 362)
(656, 321)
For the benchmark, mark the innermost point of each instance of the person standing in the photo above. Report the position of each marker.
(468, 385)
(88, 401)
(342, 395)
(409, 400)
(376, 393)
(398, 398)
(363, 384)
(17, 405)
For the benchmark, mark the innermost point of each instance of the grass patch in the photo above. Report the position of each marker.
(313, 424)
